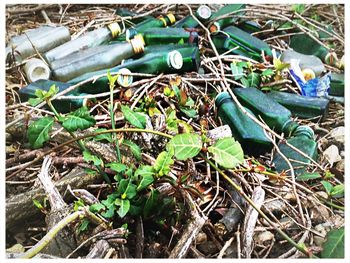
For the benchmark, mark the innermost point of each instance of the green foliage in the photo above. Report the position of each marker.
(88, 157)
(254, 80)
(103, 137)
(38, 132)
(79, 119)
(37, 204)
(237, 71)
(227, 152)
(96, 208)
(136, 119)
(299, 8)
(77, 204)
(172, 123)
(83, 225)
(337, 191)
(135, 149)
(308, 176)
(42, 95)
(124, 206)
(334, 245)
(111, 80)
(163, 162)
(151, 203)
(185, 145)
(147, 173)
(327, 186)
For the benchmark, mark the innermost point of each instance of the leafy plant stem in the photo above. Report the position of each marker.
(58, 117)
(114, 135)
(262, 214)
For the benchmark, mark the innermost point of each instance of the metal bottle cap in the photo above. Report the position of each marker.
(138, 44)
(203, 13)
(115, 29)
(124, 79)
(215, 27)
(175, 59)
(171, 17)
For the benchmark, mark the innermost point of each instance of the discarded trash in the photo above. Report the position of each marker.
(43, 39)
(316, 87)
(203, 14)
(95, 58)
(275, 115)
(305, 61)
(303, 140)
(301, 106)
(62, 105)
(337, 84)
(241, 43)
(154, 36)
(36, 69)
(90, 39)
(231, 11)
(244, 129)
(249, 26)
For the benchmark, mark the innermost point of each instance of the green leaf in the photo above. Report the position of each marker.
(237, 71)
(337, 191)
(88, 157)
(78, 203)
(124, 206)
(151, 203)
(135, 118)
(227, 152)
(308, 176)
(123, 184)
(186, 145)
(245, 82)
(299, 8)
(104, 136)
(79, 119)
(117, 167)
(279, 66)
(328, 186)
(130, 191)
(96, 208)
(38, 132)
(147, 179)
(135, 149)
(191, 113)
(163, 162)
(267, 72)
(144, 170)
(83, 225)
(254, 80)
(109, 213)
(111, 79)
(37, 204)
(334, 245)
(34, 101)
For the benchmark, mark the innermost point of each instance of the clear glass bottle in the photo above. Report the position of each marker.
(274, 114)
(301, 106)
(250, 135)
(303, 140)
(90, 39)
(95, 58)
(43, 38)
(36, 69)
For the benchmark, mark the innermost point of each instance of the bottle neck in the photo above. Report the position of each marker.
(289, 127)
(304, 131)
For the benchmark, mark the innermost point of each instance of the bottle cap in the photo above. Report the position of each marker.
(161, 18)
(36, 69)
(175, 59)
(171, 18)
(124, 79)
(331, 59)
(221, 98)
(203, 13)
(138, 44)
(130, 33)
(115, 29)
(304, 130)
(215, 27)
(308, 74)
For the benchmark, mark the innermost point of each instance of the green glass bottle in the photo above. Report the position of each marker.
(161, 21)
(304, 44)
(165, 62)
(301, 106)
(249, 26)
(245, 44)
(303, 140)
(250, 135)
(231, 19)
(154, 36)
(62, 106)
(275, 115)
(203, 14)
(337, 85)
